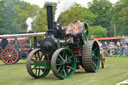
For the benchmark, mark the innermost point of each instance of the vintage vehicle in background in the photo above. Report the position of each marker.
(17, 46)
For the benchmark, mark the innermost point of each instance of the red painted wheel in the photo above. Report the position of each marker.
(10, 55)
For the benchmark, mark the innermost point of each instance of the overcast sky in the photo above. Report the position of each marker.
(40, 3)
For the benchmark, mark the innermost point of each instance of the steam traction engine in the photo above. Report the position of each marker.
(17, 46)
(14, 50)
(61, 56)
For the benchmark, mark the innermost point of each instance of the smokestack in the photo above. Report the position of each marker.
(54, 25)
(49, 15)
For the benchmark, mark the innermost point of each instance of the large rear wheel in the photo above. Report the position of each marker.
(63, 63)
(91, 56)
(37, 64)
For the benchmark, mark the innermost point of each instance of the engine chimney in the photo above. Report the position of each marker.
(49, 15)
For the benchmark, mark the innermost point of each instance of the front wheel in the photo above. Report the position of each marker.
(37, 64)
(63, 63)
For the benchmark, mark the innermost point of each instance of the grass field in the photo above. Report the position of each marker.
(116, 70)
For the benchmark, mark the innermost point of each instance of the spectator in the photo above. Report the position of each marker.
(118, 44)
(121, 48)
(3, 43)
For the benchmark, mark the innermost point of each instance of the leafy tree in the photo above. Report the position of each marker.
(1, 16)
(101, 8)
(101, 17)
(120, 18)
(8, 11)
(97, 31)
(22, 11)
(40, 24)
(13, 16)
(77, 13)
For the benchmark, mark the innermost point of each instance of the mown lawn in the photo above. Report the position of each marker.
(116, 70)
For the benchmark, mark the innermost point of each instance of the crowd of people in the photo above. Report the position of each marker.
(115, 48)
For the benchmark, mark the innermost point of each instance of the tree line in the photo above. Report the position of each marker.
(103, 18)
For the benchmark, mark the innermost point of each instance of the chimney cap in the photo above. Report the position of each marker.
(49, 4)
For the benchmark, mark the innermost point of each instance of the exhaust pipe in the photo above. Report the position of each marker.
(49, 15)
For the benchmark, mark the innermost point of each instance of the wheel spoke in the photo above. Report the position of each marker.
(94, 65)
(59, 69)
(11, 51)
(64, 72)
(39, 56)
(93, 58)
(36, 71)
(63, 53)
(96, 58)
(10, 60)
(66, 57)
(94, 50)
(58, 60)
(7, 52)
(70, 67)
(61, 57)
(69, 58)
(5, 58)
(39, 72)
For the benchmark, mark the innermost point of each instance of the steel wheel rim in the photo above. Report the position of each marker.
(10, 56)
(36, 72)
(65, 64)
(95, 56)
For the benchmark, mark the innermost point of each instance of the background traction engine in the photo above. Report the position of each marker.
(12, 50)
(61, 56)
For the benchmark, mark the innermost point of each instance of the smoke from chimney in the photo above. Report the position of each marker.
(29, 23)
(62, 5)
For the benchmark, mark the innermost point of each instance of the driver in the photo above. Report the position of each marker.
(79, 27)
(70, 28)
(75, 29)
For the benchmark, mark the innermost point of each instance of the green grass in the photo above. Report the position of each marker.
(116, 70)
